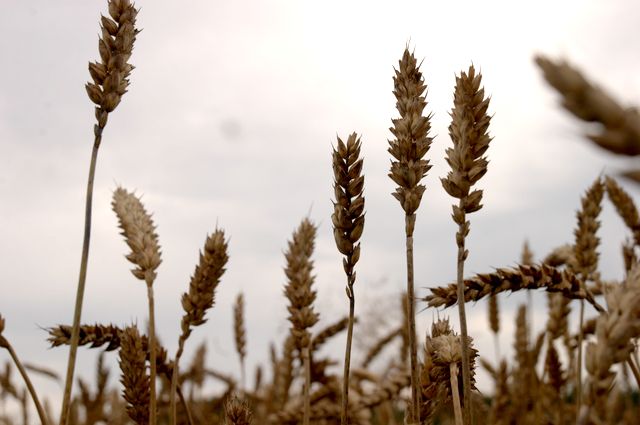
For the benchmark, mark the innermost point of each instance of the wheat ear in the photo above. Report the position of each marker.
(586, 257)
(135, 380)
(621, 126)
(408, 167)
(348, 224)
(139, 233)
(199, 298)
(301, 296)
(240, 335)
(625, 207)
(110, 81)
(237, 412)
(615, 330)
(506, 279)
(494, 322)
(4, 343)
(469, 133)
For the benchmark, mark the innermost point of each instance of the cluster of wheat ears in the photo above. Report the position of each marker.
(432, 380)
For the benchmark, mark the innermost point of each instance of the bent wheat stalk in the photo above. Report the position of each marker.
(199, 299)
(110, 82)
(4, 343)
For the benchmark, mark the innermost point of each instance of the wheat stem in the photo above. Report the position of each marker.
(307, 384)
(75, 333)
(466, 373)
(579, 359)
(5, 344)
(347, 356)
(457, 411)
(174, 383)
(152, 354)
(413, 346)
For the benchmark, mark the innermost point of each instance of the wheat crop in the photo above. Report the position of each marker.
(584, 374)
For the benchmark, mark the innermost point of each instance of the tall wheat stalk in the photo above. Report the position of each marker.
(408, 167)
(586, 243)
(110, 82)
(301, 296)
(348, 224)
(469, 133)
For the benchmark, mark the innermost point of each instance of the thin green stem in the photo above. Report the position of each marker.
(347, 356)
(75, 333)
(27, 381)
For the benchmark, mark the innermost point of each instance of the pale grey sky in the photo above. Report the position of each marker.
(231, 114)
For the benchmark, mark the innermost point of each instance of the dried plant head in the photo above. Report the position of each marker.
(110, 75)
(553, 369)
(3, 342)
(526, 257)
(494, 313)
(300, 278)
(506, 279)
(469, 131)
(237, 412)
(621, 126)
(205, 280)
(239, 328)
(586, 241)
(139, 233)
(134, 379)
(562, 255)
(348, 208)
(615, 331)
(625, 206)
(411, 132)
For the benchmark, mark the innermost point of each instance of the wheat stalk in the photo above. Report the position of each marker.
(586, 257)
(348, 224)
(110, 81)
(300, 294)
(408, 167)
(140, 235)
(469, 133)
(199, 298)
(4, 343)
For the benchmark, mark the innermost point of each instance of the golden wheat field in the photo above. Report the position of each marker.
(547, 336)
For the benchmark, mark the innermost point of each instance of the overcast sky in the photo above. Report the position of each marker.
(230, 117)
